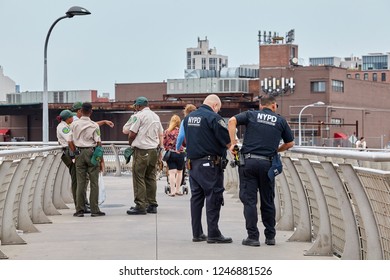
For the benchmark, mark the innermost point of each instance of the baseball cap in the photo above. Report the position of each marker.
(128, 153)
(97, 155)
(76, 106)
(276, 167)
(141, 101)
(66, 114)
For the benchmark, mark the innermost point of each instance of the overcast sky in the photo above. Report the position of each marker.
(126, 41)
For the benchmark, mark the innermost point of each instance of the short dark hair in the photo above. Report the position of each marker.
(86, 107)
(267, 100)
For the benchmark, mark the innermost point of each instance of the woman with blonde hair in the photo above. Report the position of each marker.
(180, 139)
(176, 160)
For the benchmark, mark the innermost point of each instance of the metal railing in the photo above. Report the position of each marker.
(338, 199)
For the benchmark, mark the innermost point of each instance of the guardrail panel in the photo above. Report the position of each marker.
(300, 205)
(368, 227)
(8, 234)
(345, 232)
(320, 212)
(48, 206)
(376, 184)
(26, 200)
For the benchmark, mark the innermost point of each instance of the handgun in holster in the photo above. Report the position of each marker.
(188, 164)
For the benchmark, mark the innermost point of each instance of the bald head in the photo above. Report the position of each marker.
(214, 102)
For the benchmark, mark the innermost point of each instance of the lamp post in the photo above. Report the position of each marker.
(319, 103)
(73, 11)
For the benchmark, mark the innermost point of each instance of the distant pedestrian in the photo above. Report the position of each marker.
(145, 134)
(207, 140)
(84, 141)
(181, 137)
(263, 131)
(361, 143)
(176, 160)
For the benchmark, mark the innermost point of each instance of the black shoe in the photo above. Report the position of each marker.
(79, 214)
(152, 209)
(201, 238)
(219, 239)
(270, 241)
(136, 211)
(251, 242)
(87, 210)
(98, 214)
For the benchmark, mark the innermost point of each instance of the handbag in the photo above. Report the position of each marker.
(167, 155)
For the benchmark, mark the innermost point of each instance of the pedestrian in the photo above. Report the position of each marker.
(207, 141)
(361, 143)
(85, 141)
(264, 130)
(145, 134)
(181, 137)
(63, 131)
(176, 160)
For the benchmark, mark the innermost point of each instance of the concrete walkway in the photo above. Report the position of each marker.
(165, 236)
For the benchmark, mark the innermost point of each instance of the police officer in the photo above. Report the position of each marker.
(84, 137)
(264, 130)
(207, 140)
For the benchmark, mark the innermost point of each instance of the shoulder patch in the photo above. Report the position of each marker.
(222, 123)
(98, 132)
(132, 119)
(66, 130)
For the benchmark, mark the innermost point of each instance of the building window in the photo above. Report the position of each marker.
(317, 86)
(337, 86)
(357, 76)
(375, 77)
(349, 76)
(193, 63)
(383, 77)
(375, 62)
(58, 97)
(203, 63)
(188, 60)
(365, 76)
(337, 121)
(212, 63)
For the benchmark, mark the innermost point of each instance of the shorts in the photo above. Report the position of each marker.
(176, 161)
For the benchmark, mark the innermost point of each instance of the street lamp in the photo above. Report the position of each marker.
(319, 103)
(73, 11)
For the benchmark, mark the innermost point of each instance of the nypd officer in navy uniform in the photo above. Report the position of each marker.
(207, 141)
(264, 130)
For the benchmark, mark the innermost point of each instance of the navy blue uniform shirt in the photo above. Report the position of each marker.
(206, 133)
(264, 130)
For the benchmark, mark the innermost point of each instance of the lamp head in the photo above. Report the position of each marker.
(77, 11)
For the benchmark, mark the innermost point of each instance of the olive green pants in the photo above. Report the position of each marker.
(85, 168)
(144, 177)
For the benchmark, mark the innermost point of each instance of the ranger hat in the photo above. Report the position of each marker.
(76, 106)
(128, 153)
(141, 101)
(66, 114)
(97, 155)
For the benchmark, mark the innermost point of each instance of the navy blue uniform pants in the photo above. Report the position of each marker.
(206, 183)
(254, 179)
